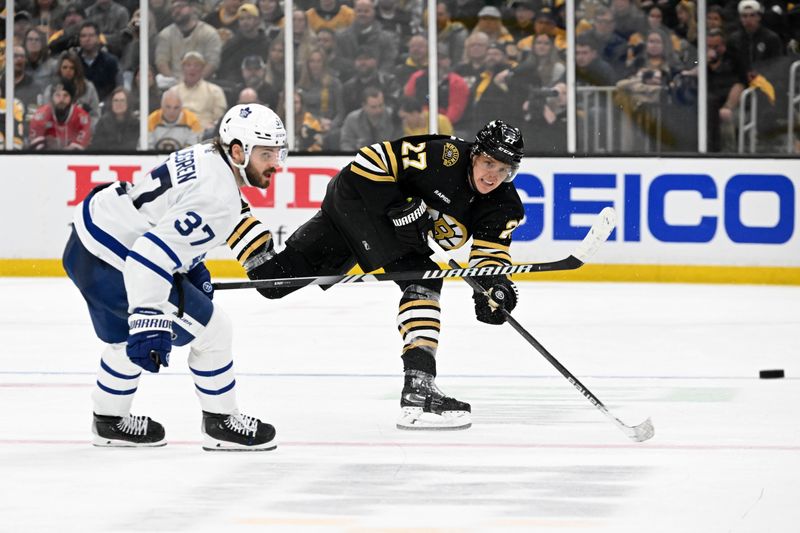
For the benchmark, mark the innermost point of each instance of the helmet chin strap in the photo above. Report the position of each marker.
(241, 166)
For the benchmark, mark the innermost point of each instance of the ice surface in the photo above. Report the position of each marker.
(324, 368)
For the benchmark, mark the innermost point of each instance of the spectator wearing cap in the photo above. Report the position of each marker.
(110, 17)
(490, 22)
(249, 40)
(331, 14)
(186, 33)
(70, 67)
(521, 25)
(371, 123)
(203, 98)
(368, 75)
(754, 46)
(417, 59)
(414, 117)
(450, 32)
(60, 124)
(466, 12)
(546, 22)
(366, 31)
(22, 23)
(253, 70)
(100, 67)
(172, 127)
(452, 89)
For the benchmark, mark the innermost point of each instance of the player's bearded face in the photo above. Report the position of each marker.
(263, 165)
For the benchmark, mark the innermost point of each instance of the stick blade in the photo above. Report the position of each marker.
(598, 234)
(642, 432)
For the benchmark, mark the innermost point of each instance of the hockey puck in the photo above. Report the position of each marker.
(770, 374)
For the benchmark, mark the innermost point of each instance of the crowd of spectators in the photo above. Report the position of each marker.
(361, 69)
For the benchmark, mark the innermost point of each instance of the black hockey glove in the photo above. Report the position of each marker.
(412, 223)
(502, 294)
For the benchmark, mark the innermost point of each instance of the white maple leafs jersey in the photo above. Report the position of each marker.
(165, 222)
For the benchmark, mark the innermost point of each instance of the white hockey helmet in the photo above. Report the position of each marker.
(252, 125)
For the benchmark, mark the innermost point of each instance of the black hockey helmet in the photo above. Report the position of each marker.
(502, 142)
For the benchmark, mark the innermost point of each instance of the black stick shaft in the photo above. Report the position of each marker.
(568, 263)
(527, 336)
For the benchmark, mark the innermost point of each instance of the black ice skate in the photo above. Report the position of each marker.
(127, 432)
(424, 406)
(236, 432)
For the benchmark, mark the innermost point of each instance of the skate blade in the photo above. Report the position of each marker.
(414, 419)
(100, 442)
(214, 445)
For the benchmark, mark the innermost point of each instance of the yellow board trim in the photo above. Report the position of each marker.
(222, 268)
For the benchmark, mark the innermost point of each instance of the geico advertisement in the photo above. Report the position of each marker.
(670, 211)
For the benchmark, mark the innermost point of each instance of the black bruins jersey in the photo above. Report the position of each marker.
(434, 168)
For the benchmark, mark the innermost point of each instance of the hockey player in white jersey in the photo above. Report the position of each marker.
(136, 254)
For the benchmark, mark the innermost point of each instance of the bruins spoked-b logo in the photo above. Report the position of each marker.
(450, 156)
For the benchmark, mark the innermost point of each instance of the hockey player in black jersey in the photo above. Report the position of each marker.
(377, 212)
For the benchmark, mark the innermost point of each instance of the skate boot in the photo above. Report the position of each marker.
(236, 432)
(127, 431)
(424, 406)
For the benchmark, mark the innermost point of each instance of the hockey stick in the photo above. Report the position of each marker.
(638, 433)
(597, 235)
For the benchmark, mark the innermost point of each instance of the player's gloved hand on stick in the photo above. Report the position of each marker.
(502, 294)
(412, 222)
(200, 277)
(149, 338)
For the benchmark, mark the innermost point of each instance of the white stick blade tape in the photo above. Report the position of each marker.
(598, 234)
